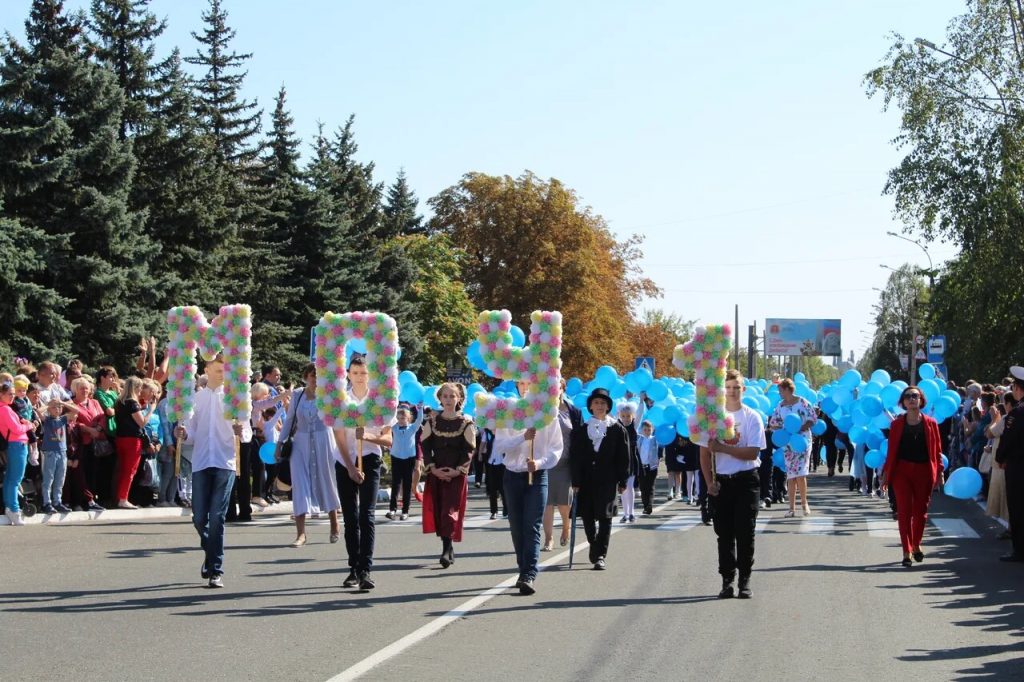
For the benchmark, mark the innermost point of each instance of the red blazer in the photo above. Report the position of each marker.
(932, 440)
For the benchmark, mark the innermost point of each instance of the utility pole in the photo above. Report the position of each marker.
(913, 342)
(752, 350)
(736, 328)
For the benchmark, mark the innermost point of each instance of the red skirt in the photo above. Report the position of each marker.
(444, 506)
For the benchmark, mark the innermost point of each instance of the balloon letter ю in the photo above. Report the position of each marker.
(540, 364)
(707, 355)
(332, 401)
(228, 333)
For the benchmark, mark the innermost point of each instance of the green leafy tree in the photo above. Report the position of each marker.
(903, 300)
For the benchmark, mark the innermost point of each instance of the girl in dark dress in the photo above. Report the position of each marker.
(449, 440)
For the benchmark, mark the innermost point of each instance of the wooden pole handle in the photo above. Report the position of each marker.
(529, 476)
(177, 458)
(359, 456)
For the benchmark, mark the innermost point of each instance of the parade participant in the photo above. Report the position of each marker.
(628, 422)
(650, 458)
(1010, 457)
(560, 476)
(730, 473)
(448, 440)
(676, 467)
(312, 461)
(797, 462)
(359, 487)
(14, 430)
(913, 468)
(213, 468)
(599, 460)
(529, 455)
(403, 458)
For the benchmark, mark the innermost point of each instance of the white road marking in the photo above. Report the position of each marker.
(954, 528)
(817, 525)
(681, 522)
(762, 523)
(395, 648)
(479, 521)
(883, 528)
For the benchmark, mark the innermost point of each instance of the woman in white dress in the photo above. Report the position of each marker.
(314, 453)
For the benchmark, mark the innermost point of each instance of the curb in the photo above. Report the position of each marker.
(123, 515)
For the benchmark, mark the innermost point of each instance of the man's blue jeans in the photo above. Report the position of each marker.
(211, 491)
(525, 517)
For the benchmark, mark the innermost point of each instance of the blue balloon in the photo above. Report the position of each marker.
(874, 459)
(573, 386)
(844, 423)
(926, 371)
(430, 397)
(798, 442)
(751, 401)
(799, 376)
(850, 380)
(931, 389)
(945, 463)
(618, 389)
(780, 438)
(792, 423)
(945, 407)
(643, 378)
(819, 428)
(267, 452)
(655, 415)
(963, 484)
(518, 337)
(858, 434)
(842, 396)
(779, 459)
(874, 440)
(881, 376)
(631, 382)
(872, 405)
(411, 393)
(405, 377)
(657, 390)
(871, 388)
(475, 357)
(890, 395)
(828, 406)
(683, 426)
(673, 413)
(665, 434)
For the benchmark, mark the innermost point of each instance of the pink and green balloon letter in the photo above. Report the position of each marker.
(707, 356)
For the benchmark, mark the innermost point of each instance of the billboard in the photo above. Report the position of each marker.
(803, 337)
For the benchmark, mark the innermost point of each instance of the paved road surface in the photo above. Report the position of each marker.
(106, 601)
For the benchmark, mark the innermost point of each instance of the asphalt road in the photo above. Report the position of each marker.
(111, 601)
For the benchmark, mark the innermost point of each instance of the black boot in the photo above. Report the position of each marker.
(745, 592)
(727, 589)
(446, 549)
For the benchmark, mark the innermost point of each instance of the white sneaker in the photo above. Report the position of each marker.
(405, 517)
(14, 517)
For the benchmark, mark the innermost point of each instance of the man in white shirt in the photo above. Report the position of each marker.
(526, 500)
(213, 468)
(46, 380)
(730, 470)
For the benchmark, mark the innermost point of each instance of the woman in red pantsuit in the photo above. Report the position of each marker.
(914, 469)
(132, 411)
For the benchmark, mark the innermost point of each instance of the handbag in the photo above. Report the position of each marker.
(102, 448)
(284, 469)
(985, 465)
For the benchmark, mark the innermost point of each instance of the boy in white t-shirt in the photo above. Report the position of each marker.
(730, 470)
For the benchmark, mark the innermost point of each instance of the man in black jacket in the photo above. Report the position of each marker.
(1010, 456)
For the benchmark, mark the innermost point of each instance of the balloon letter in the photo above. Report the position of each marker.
(707, 355)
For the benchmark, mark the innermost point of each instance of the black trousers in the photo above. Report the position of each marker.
(647, 479)
(241, 492)
(495, 477)
(1015, 502)
(765, 475)
(735, 519)
(478, 470)
(358, 504)
(401, 476)
(778, 484)
(598, 530)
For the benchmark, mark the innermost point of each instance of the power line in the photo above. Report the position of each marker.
(803, 261)
(789, 291)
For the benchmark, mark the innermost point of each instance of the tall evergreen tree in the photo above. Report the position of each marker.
(400, 215)
(275, 291)
(123, 35)
(183, 193)
(54, 98)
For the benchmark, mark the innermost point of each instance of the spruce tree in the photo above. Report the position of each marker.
(53, 98)
(399, 212)
(123, 35)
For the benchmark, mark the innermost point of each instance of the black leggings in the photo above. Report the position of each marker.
(401, 477)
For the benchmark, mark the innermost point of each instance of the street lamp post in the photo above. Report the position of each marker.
(931, 266)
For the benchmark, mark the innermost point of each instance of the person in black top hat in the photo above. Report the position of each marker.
(599, 460)
(1010, 457)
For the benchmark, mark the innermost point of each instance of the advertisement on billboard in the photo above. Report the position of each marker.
(803, 337)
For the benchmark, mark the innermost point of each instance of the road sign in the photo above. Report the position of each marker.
(941, 373)
(920, 339)
(464, 377)
(646, 362)
(312, 344)
(919, 355)
(904, 361)
(936, 348)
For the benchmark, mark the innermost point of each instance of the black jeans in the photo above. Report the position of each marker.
(241, 493)
(647, 479)
(478, 470)
(496, 487)
(401, 477)
(358, 504)
(764, 473)
(598, 531)
(735, 519)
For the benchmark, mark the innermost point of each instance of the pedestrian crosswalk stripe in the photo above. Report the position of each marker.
(954, 528)
(762, 523)
(883, 528)
(817, 525)
(681, 522)
(478, 521)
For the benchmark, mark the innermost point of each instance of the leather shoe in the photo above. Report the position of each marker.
(1012, 558)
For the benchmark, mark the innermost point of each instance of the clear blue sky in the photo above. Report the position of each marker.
(738, 140)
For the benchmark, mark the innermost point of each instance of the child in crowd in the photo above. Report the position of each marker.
(650, 457)
(165, 458)
(55, 455)
(25, 396)
(403, 458)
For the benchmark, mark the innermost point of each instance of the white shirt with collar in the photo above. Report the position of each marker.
(210, 433)
(749, 434)
(547, 447)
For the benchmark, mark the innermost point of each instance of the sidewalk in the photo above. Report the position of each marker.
(123, 515)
